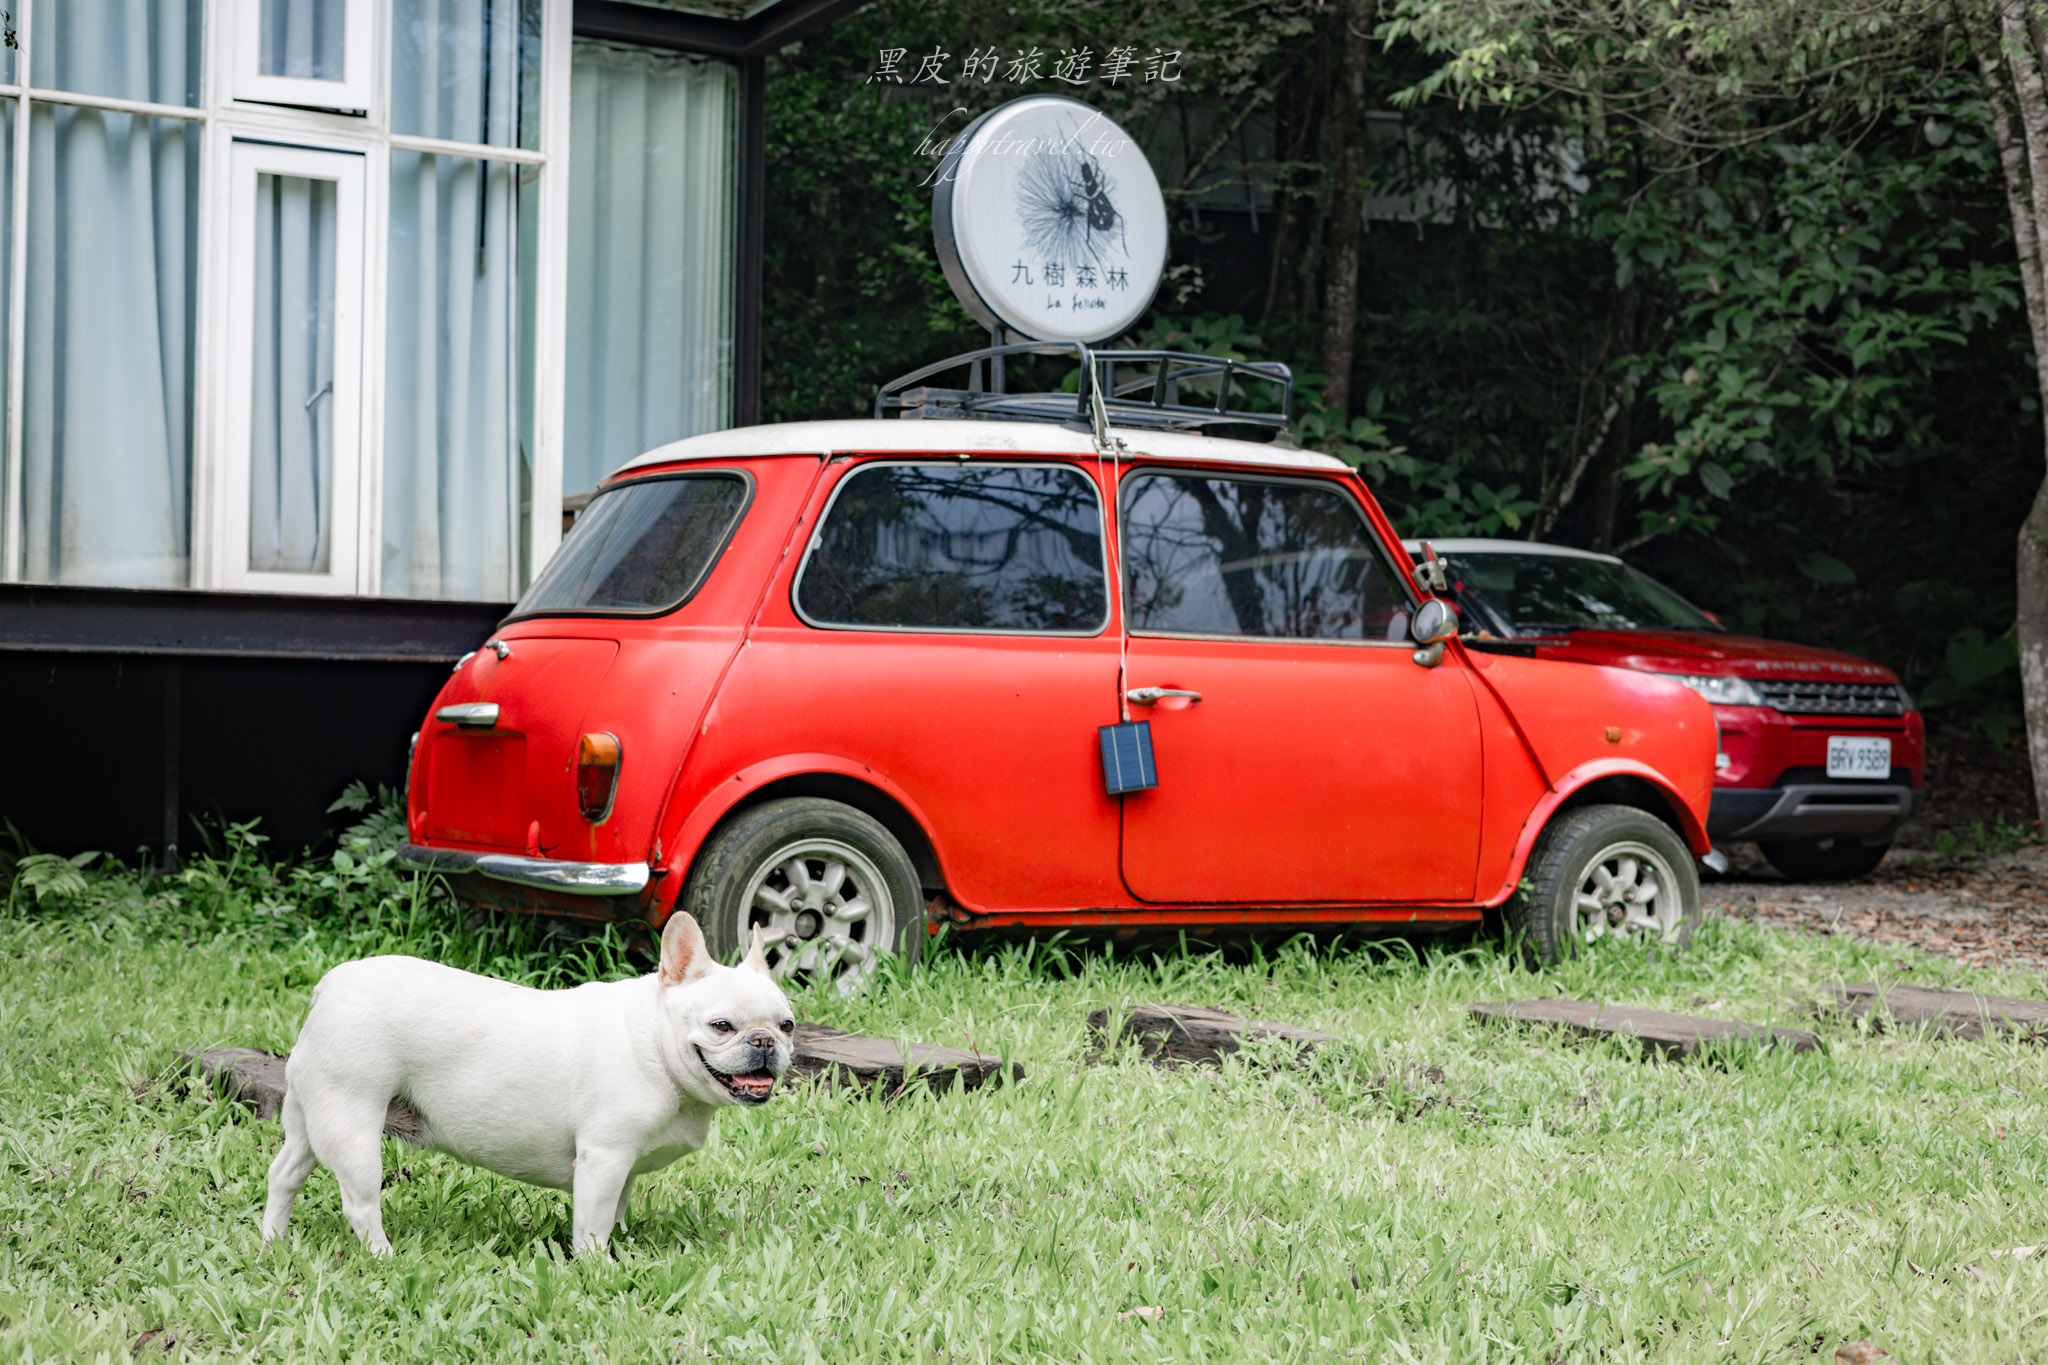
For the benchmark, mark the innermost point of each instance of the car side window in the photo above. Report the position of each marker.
(1231, 555)
(959, 546)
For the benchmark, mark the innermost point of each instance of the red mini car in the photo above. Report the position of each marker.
(1822, 753)
(852, 680)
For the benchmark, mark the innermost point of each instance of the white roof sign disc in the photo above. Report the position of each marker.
(1050, 222)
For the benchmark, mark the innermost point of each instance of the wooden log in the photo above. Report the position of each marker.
(843, 1058)
(1193, 1035)
(1671, 1034)
(1951, 1014)
(255, 1080)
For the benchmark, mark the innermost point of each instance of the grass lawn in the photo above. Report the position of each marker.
(1426, 1191)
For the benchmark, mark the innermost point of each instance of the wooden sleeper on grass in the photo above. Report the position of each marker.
(255, 1079)
(1676, 1035)
(1192, 1035)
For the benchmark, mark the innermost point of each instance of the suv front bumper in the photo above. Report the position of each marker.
(1813, 810)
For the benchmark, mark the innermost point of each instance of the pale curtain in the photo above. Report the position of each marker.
(454, 461)
(456, 404)
(112, 225)
(651, 224)
(302, 39)
(467, 70)
(291, 454)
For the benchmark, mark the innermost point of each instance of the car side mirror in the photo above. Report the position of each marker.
(1433, 621)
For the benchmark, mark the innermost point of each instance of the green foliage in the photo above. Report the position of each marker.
(1981, 840)
(49, 877)
(353, 902)
(1976, 677)
(1820, 286)
(1651, 280)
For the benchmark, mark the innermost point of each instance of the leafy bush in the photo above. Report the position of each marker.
(355, 902)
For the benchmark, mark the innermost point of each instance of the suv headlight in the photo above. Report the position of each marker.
(1721, 691)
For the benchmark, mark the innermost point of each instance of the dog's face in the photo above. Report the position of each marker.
(733, 1025)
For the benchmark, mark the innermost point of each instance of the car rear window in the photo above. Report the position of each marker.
(640, 548)
(959, 546)
(1243, 556)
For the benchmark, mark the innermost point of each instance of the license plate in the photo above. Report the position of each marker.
(1853, 756)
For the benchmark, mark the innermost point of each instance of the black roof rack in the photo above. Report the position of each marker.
(1155, 390)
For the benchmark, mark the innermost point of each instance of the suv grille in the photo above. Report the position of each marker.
(1832, 698)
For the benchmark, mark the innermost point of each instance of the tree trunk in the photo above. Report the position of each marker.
(2010, 58)
(1347, 206)
(1607, 478)
(2033, 640)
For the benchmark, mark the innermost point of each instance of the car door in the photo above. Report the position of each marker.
(1312, 758)
(948, 630)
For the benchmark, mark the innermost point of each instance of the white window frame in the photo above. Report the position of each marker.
(351, 92)
(227, 119)
(345, 547)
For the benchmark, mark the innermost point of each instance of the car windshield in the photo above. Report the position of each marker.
(1540, 594)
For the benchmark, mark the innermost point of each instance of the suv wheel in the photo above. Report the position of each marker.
(830, 885)
(1824, 860)
(1604, 873)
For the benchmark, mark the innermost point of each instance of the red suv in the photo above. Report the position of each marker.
(851, 680)
(1822, 753)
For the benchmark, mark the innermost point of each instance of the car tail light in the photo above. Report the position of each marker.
(597, 775)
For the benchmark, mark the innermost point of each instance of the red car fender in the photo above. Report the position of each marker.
(1690, 825)
(679, 849)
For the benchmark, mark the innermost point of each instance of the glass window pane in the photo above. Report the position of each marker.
(960, 547)
(650, 308)
(291, 454)
(467, 70)
(1550, 594)
(303, 39)
(456, 453)
(130, 49)
(1207, 556)
(107, 421)
(640, 547)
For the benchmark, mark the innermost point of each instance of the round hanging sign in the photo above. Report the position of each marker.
(1049, 221)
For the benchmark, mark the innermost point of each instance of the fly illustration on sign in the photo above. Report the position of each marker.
(1049, 221)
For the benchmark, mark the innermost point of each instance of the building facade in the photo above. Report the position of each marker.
(318, 314)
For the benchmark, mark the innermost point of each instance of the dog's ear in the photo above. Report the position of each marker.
(755, 958)
(683, 954)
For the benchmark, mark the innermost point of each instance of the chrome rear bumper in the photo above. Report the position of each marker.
(589, 879)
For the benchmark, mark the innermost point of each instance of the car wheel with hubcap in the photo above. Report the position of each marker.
(831, 888)
(1606, 874)
(1824, 860)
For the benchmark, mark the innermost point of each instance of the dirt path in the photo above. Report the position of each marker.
(1986, 910)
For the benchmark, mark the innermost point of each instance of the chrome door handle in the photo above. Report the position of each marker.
(1145, 696)
(470, 715)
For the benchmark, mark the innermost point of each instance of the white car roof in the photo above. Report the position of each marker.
(1479, 546)
(980, 438)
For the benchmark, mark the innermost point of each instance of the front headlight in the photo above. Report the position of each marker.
(1906, 702)
(1721, 691)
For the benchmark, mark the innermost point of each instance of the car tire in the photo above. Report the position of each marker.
(1824, 860)
(810, 871)
(1601, 872)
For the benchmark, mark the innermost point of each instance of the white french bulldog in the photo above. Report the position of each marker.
(578, 1090)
